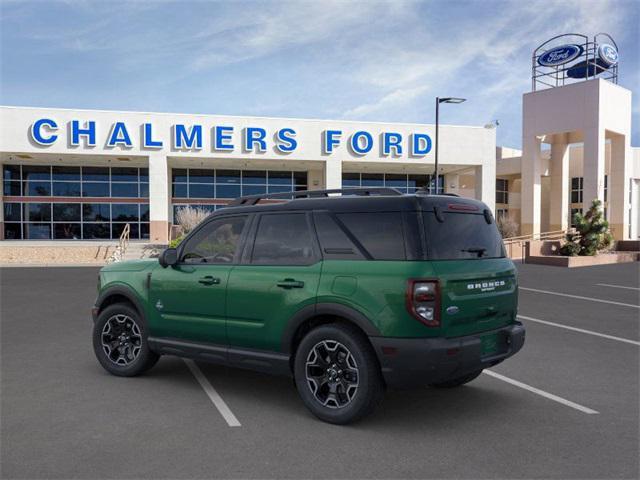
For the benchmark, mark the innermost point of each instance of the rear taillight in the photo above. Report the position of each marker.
(423, 301)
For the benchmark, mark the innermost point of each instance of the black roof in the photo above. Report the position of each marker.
(382, 201)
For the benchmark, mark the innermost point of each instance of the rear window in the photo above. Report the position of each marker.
(461, 236)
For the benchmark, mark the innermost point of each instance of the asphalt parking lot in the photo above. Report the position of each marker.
(567, 406)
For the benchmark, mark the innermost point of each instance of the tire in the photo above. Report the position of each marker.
(349, 386)
(456, 382)
(120, 341)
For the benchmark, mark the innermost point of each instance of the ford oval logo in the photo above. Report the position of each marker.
(608, 54)
(560, 55)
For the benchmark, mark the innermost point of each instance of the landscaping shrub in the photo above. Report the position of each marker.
(507, 226)
(592, 233)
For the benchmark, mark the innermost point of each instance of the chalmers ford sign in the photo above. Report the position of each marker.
(222, 138)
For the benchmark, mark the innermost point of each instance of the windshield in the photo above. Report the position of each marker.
(461, 236)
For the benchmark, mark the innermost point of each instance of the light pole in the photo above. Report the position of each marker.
(438, 102)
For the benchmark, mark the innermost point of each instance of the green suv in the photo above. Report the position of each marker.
(349, 292)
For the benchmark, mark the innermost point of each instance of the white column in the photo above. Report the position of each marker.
(559, 205)
(593, 167)
(159, 198)
(486, 184)
(332, 174)
(531, 186)
(618, 188)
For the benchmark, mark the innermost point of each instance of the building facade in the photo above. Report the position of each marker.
(85, 174)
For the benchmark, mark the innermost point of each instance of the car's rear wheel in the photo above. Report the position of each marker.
(120, 341)
(456, 382)
(337, 374)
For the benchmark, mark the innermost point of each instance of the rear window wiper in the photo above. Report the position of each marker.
(479, 250)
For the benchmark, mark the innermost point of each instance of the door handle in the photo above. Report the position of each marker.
(290, 283)
(209, 280)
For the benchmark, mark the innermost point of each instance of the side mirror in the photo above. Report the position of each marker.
(168, 257)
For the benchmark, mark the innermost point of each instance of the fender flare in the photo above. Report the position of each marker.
(332, 309)
(122, 290)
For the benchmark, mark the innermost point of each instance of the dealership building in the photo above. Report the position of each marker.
(85, 174)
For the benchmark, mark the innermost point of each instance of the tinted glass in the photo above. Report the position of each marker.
(334, 242)
(37, 189)
(216, 242)
(228, 191)
(228, 176)
(395, 180)
(417, 181)
(198, 175)
(179, 190)
(120, 174)
(66, 212)
(278, 188)
(11, 172)
(37, 231)
(300, 178)
(179, 175)
(66, 189)
(37, 212)
(12, 231)
(124, 190)
(144, 212)
(96, 212)
(283, 240)
(253, 189)
(124, 212)
(95, 189)
(144, 174)
(12, 212)
(96, 230)
(144, 190)
(372, 180)
(12, 189)
(36, 172)
(379, 233)
(280, 178)
(350, 179)
(66, 173)
(201, 190)
(70, 231)
(95, 174)
(117, 228)
(254, 177)
(461, 236)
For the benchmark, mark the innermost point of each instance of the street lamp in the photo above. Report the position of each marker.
(438, 102)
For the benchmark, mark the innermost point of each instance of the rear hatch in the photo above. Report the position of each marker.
(478, 285)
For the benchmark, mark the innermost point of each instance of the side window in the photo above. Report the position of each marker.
(216, 242)
(381, 234)
(335, 244)
(283, 239)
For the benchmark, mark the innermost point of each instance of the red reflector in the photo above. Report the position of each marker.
(462, 207)
(452, 351)
(389, 350)
(424, 297)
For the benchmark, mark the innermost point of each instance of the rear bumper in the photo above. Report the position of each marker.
(412, 362)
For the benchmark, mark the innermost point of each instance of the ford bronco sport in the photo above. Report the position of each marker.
(349, 294)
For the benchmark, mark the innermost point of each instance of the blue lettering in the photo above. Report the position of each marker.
(221, 137)
(253, 136)
(329, 140)
(391, 140)
(286, 141)
(356, 145)
(119, 136)
(36, 131)
(89, 131)
(147, 138)
(421, 144)
(186, 139)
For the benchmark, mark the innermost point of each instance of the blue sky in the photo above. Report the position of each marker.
(377, 61)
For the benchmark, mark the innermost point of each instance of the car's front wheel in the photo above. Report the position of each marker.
(120, 341)
(337, 374)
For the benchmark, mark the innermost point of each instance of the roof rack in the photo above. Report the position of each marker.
(254, 199)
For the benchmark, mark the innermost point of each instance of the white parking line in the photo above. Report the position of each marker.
(542, 393)
(213, 395)
(580, 298)
(616, 286)
(581, 330)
